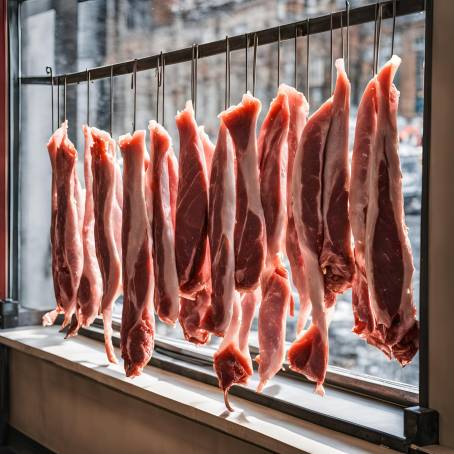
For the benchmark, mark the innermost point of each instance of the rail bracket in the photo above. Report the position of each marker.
(421, 425)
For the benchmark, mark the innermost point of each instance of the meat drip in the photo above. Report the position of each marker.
(67, 206)
(232, 361)
(382, 300)
(160, 184)
(107, 227)
(299, 109)
(221, 223)
(192, 207)
(320, 197)
(138, 324)
(276, 293)
(250, 241)
(90, 288)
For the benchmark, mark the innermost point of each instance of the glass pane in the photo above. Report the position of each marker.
(73, 36)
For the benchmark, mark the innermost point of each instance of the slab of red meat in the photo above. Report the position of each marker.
(320, 196)
(191, 314)
(192, 206)
(382, 295)
(138, 324)
(250, 241)
(90, 288)
(158, 194)
(232, 361)
(299, 109)
(106, 228)
(66, 228)
(276, 294)
(221, 223)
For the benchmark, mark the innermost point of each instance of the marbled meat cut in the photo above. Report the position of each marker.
(299, 109)
(107, 227)
(250, 241)
(90, 288)
(232, 363)
(192, 206)
(382, 291)
(221, 223)
(320, 203)
(66, 225)
(158, 195)
(276, 293)
(138, 324)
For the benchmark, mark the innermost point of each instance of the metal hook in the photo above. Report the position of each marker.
(331, 52)
(295, 75)
(159, 82)
(64, 98)
(347, 7)
(246, 57)
(134, 87)
(49, 71)
(307, 60)
(58, 102)
(194, 62)
(342, 35)
(88, 97)
(111, 105)
(227, 73)
(163, 72)
(278, 55)
(377, 30)
(394, 28)
(254, 63)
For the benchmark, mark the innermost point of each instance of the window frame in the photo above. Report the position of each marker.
(375, 389)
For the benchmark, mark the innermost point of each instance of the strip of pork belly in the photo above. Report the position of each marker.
(336, 257)
(250, 239)
(90, 288)
(299, 109)
(192, 206)
(365, 133)
(138, 324)
(232, 364)
(389, 261)
(65, 231)
(276, 294)
(309, 353)
(221, 224)
(166, 298)
(106, 229)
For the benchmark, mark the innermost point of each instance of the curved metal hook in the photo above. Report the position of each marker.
(331, 52)
(278, 56)
(194, 63)
(134, 87)
(227, 73)
(88, 97)
(254, 64)
(307, 60)
(394, 28)
(111, 105)
(64, 98)
(158, 83)
(49, 71)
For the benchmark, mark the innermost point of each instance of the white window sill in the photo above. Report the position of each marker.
(197, 401)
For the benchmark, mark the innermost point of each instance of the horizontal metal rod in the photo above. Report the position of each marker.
(319, 24)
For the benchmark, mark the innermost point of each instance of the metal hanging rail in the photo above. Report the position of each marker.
(317, 25)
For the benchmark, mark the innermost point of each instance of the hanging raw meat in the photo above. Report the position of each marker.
(320, 202)
(90, 288)
(192, 206)
(250, 240)
(138, 324)
(383, 306)
(107, 227)
(276, 294)
(66, 228)
(232, 361)
(299, 109)
(221, 223)
(159, 187)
